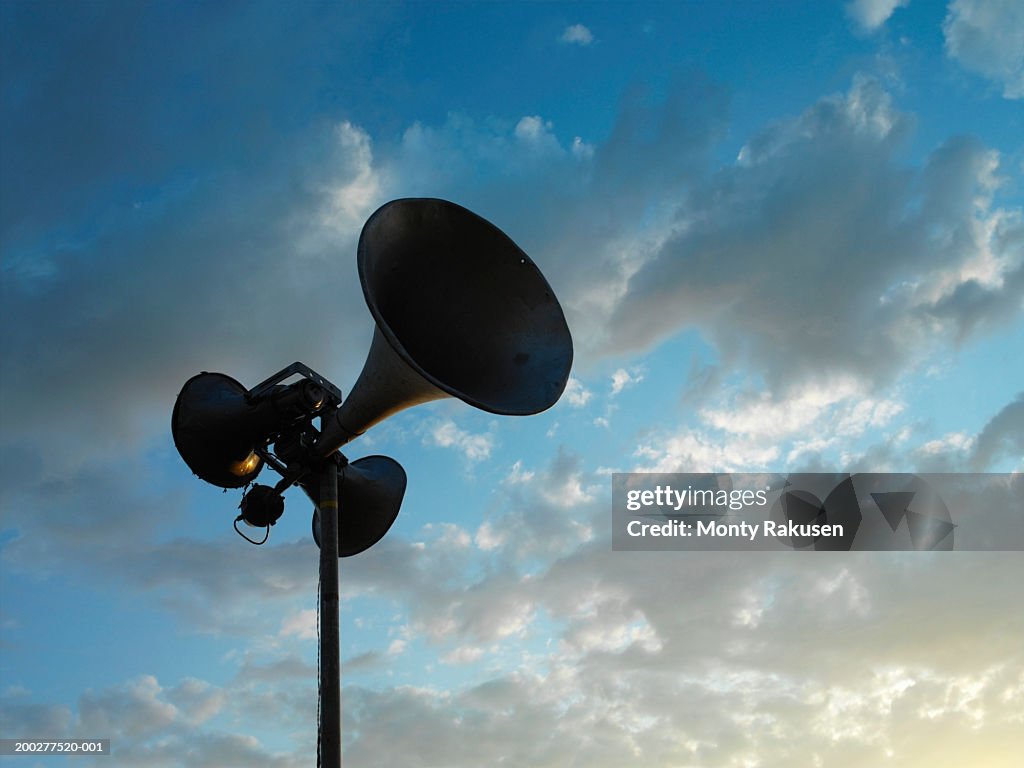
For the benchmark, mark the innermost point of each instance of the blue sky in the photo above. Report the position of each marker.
(786, 237)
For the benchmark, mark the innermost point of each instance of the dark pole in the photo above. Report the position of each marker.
(330, 631)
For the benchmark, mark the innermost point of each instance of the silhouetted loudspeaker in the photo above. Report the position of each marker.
(370, 492)
(461, 311)
(217, 425)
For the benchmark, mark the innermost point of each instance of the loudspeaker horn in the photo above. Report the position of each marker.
(218, 425)
(461, 311)
(370, 492)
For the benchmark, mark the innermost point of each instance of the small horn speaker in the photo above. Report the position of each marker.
(461, 311)
(217, 424)
(370, 492)
(216, 429)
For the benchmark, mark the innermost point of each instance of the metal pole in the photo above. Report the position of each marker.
(330, 630)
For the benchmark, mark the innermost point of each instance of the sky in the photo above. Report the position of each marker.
(787, 237)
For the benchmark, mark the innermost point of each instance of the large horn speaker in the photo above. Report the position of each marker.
(461, 311)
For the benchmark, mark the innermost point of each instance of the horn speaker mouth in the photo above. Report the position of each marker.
(204, 426)
(464, 306)
(370, 492)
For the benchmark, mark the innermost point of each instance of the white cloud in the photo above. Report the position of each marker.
(872, 14)
(151, 725)
(131, 710)
(753, 429)
(601, 633)
(952, 442)
(451, 537)
(577, 34)
(868, 414)
(652, 660)
(519, 475)
(513, 620)
(840, 409)
(623, 378)
(488, 539)
(532, 128)
(847, 590)
(783, 261)
(301, 624)
(690, 450)
(397, 647)
(1002, 436)
(762, 417)
(576, 394)
(987, 37)
(350, 200)
(563, 485)
(710, 660)
(447, 434)
(197, 701)
(464, 654)
(582, 149)
(543, 512)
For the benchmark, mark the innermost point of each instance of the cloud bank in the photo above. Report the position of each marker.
(987, 37)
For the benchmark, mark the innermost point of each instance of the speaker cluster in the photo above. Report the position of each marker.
(461, 311)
